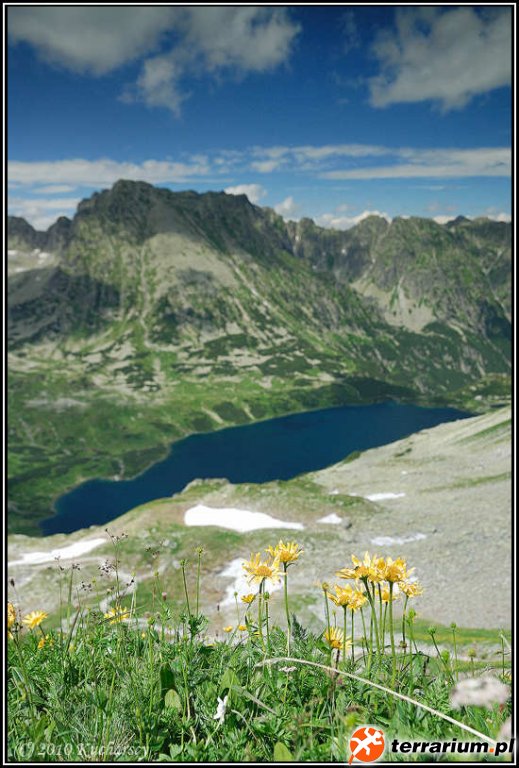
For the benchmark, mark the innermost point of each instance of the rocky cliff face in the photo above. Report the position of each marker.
(190, 264)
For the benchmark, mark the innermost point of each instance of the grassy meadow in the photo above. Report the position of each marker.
(139, 676)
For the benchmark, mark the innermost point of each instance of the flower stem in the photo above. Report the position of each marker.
(352, 637)
(260, 614)
(455, 651)
(286, 607)
(267, 622)
(198, 582)
(404, 614)
(327, 610)
(344, 610)
(373, 616)
(380, 622)
(392, 635)
(368, 648)
(183, 566)
(404, 641)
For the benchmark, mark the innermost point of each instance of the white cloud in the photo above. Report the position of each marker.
(178, 41)
(249, 39)
(335, 221)
(43, 212)
(288, 208)
(398, 162)
(505, 217)
(266, 166)
(54, 189)
(447, 55)
(157, 85)
(308, 157)
(306, 153)
(488, 214)
(93, 40)
(99, 173)
(444, 219)
(434, 163)
(255, 192)
(496, 215)
(328, 162)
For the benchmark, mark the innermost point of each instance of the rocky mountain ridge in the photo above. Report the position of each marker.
(147, 245)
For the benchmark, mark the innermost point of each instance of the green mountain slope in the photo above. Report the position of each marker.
(163, 313)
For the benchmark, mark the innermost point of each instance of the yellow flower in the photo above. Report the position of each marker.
(34, 619)
(396, 570)
(248, 599)
(117, 614)
(11, 615)
(285, 553)
(410, 589)
(335, 638)
(386, 595)
(357, 600)
(242, 627)
(343, 595)
(371, 568)
(349, 597)
(47, 639)
(227, 629)
(259, 570)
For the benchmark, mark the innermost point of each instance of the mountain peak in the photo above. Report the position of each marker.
(21, 235)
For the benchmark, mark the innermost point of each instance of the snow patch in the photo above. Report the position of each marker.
(241, 520)
(64, 553)
(381, 496)
(331, 519)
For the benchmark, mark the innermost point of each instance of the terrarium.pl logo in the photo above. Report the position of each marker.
(366, 744)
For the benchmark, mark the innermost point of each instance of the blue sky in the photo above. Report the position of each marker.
(330, 112)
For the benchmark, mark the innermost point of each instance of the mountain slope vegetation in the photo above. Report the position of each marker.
(152, 314)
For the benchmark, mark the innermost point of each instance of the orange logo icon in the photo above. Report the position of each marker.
(366, 744)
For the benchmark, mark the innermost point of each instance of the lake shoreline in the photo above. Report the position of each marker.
(48, 526)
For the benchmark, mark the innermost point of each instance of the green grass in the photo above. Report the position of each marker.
(497, 430)
(149, 687)
(481, 480)
(465, 636)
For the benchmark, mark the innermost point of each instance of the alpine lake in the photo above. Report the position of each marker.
(275, 449)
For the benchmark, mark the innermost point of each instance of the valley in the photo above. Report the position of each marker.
(441, 498)
(163, 314)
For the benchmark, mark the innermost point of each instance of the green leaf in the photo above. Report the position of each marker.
(172, 700)
(229, 680)
(167, 678)
(282, 754)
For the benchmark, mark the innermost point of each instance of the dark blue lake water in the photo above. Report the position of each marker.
(277, 449)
